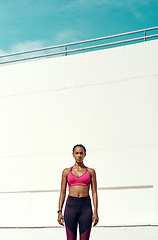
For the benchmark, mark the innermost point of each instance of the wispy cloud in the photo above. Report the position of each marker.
(25, 46)
(90, 5)
(21, 47)
(67, 36)
(60, 37)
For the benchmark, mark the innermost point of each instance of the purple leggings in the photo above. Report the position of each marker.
(78, 211)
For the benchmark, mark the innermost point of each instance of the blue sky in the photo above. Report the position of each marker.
(30, 24)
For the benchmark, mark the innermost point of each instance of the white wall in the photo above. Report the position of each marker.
(108, 233)
(105, 99)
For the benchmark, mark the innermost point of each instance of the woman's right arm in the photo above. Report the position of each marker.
(62, 195)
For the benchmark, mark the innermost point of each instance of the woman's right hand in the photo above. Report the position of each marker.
(60, 219)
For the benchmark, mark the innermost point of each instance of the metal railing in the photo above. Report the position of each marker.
(65, 49)
(99, 189)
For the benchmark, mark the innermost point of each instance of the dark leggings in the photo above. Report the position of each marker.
(78, 211)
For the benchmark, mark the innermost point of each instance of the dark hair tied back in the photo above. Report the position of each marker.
(79, 145)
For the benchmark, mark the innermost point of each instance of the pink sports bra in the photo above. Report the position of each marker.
(84, 179)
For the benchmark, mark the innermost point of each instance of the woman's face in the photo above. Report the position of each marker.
(79, 154)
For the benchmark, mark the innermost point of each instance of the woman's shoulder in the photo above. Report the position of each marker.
(91, 171)
(66, 171)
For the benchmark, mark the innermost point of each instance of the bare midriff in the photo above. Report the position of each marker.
(79, 191)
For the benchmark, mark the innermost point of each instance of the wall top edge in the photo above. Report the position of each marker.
(98, 226)
(99, 189)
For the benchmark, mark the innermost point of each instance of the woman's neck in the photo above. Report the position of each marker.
(79, 165)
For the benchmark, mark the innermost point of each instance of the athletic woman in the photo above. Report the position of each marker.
(78, 209)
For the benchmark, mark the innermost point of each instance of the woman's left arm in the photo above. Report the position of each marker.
(95, 217)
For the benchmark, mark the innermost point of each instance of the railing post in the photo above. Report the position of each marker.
(65, 50)
(144, 36)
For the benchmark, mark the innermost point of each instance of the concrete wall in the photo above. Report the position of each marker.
(105, 99)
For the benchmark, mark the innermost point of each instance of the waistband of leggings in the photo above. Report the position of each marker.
(78, 198)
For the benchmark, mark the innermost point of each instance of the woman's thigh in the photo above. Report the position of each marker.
(71, 219)
(85, 221)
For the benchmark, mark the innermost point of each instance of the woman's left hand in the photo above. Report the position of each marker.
(95, 219)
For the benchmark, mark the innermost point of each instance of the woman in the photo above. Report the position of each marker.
(78, 208)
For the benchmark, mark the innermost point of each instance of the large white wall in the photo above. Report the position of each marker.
(106, 100)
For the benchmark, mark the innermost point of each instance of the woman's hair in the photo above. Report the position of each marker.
(79, 145)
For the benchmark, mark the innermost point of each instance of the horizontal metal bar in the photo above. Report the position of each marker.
(110, 44)
(102, 226)
(126, 187)
(79, 49)
(76, 43)
(99, 189)
(32, 51)
(34, 57)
